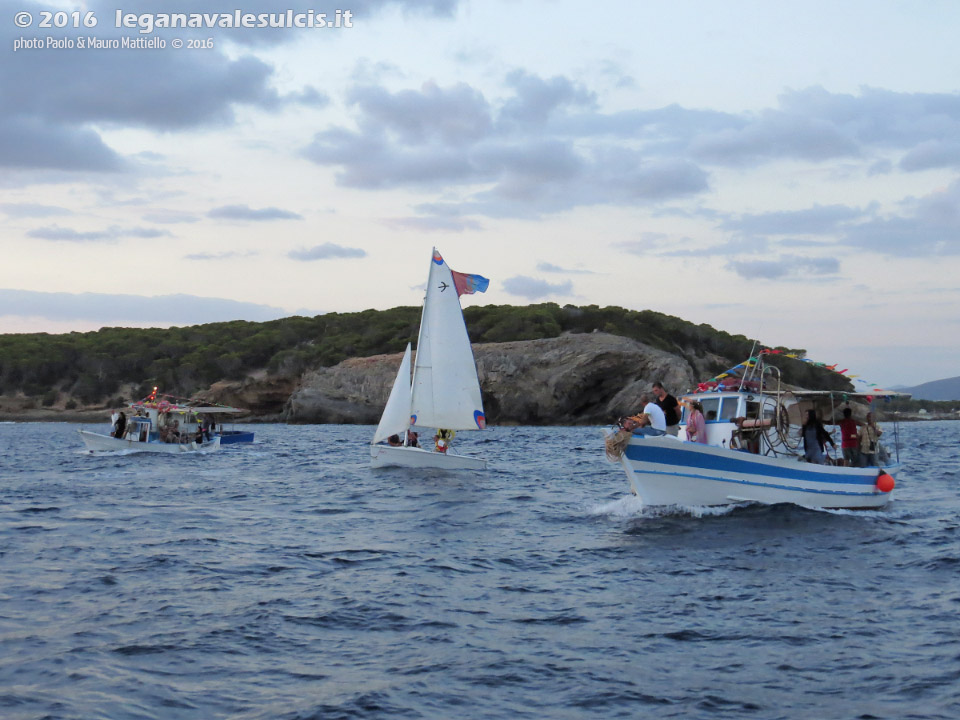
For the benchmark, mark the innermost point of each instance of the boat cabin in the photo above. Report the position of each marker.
(732, 419)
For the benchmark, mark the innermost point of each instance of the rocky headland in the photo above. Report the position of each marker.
(568, 380)
(573, 379)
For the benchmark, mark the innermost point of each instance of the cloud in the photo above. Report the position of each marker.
(454, 116)
(817, 220)
(929, 227)
(930, 155)
(124, 309)
(551, 268)
(33, 210)
(546, 148)
(111, 234)
(327, 251)
(786, 267)
(534, 289)
(775, 135)
(537, 100)
(244, 212)
(170, 217)
(35, 143)
(504, 161)
(227, 255)
(434, 224)
(57, 102)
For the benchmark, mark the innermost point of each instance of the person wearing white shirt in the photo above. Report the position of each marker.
(658, 421)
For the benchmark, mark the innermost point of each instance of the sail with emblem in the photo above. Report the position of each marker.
(446, 391)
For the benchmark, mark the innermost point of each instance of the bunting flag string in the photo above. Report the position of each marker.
(717, 380)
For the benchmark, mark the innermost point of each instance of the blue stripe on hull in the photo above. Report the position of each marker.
(791, 488)
(683, 458)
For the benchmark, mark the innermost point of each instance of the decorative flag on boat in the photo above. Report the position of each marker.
(469, 284)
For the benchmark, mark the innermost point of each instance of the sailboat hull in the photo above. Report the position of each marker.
(410, 457)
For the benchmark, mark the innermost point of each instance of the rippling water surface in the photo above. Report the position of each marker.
(289, 580)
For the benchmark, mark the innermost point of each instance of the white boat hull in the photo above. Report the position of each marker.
(97, 442)
(411, 457)
(663, 470)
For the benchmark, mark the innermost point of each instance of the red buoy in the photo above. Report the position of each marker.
(885, 482)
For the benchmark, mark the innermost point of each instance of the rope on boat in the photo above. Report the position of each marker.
(616, 443)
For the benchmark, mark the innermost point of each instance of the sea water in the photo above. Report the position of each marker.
(289, 580)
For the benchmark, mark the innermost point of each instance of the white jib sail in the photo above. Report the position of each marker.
(396, 413)
(446, 392)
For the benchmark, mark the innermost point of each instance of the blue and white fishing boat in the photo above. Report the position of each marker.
(754, 450)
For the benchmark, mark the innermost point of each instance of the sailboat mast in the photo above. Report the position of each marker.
(421, 329)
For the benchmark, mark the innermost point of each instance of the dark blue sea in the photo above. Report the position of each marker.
(288, 580)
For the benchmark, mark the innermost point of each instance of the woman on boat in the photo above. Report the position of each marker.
(696, 425)
(815, 438)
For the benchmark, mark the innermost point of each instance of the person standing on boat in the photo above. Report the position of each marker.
(815, 439)
(657, 419)
(696, 425)
(849, 439)
(120, 427)
(671, 408)
(869, 441)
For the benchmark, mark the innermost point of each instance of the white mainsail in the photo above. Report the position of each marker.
(396, 413)
(446, 391)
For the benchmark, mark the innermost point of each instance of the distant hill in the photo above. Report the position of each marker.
(940, 390)
(79, 370)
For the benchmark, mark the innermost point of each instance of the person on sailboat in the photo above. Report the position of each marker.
(413, 439)
(442, 439)
(394, 441)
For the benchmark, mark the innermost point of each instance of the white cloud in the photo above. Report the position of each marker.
(176, 309)
(111, 234)
(327, 251)
(246, 213)
(536, 289)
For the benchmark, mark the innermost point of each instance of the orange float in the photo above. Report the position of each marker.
(885, 482)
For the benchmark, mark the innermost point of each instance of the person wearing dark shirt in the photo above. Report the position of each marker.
(120, 427)
(815, 439)
(671, 408)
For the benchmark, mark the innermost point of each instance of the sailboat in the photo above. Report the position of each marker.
(444, 392)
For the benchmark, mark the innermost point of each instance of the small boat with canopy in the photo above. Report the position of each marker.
(166, 424)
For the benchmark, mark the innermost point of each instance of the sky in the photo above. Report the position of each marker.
(787, 171)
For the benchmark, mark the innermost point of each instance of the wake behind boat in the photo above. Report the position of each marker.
(753, 450)
(445, 392)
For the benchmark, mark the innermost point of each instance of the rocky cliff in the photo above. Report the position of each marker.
(568, 380)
